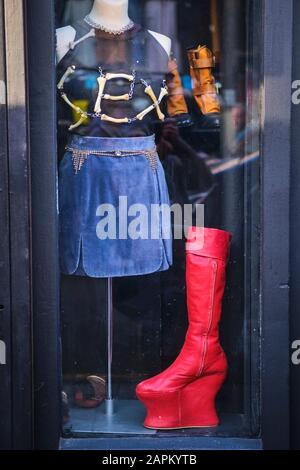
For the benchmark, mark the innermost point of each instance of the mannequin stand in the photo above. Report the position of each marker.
(109, 403)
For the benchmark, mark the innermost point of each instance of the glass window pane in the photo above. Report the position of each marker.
(126, 308)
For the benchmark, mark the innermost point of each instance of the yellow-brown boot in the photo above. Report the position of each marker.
(205, 92)
(176, 101)
(176, 104)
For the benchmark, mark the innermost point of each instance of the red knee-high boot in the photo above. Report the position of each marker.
(184, 394)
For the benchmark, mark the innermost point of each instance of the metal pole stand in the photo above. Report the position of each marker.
(109, 402)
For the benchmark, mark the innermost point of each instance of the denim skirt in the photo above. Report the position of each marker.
(111, 194)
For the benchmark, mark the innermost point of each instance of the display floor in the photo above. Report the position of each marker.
(120, 417)
(125, 417)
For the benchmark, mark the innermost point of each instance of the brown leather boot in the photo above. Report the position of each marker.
(205, 92)
(176, 104)
(176, 101)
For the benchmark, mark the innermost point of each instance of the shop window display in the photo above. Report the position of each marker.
(157, 104)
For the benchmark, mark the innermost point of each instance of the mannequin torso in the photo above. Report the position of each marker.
(110, 88)
(110, 14)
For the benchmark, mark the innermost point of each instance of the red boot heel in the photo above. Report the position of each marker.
(197, 402)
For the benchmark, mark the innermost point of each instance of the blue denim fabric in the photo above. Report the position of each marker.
(101, 180)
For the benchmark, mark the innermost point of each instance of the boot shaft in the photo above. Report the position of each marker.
(206, 258)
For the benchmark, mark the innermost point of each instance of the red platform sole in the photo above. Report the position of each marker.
(190, 407)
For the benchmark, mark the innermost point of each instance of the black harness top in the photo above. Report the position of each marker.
(112, 85)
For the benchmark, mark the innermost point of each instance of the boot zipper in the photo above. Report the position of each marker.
(214, 266)
(210, 317)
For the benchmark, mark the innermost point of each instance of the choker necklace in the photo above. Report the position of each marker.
(96, 25)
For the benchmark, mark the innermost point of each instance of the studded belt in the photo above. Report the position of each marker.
(79, 156)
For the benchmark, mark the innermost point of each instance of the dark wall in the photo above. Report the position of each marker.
(295, 230)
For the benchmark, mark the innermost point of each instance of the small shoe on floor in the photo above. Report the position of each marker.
(91, 393)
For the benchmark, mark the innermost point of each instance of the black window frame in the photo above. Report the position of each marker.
(42, 292)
